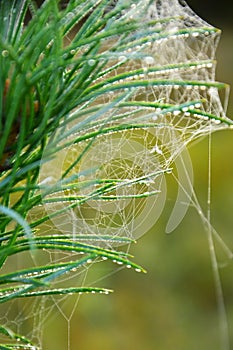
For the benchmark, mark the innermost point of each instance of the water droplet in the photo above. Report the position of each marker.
(70, 15)
(5, 53)
(156, 149)
(72, 52)
(172, 30)
(122, 58)
(175, 113)
(149, 60)
(138, 270)
(91, 62)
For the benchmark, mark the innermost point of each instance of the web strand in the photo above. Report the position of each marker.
(223, 323)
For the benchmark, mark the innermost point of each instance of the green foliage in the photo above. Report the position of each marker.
(56, 74)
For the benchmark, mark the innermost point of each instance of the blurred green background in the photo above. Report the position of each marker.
(173, 306)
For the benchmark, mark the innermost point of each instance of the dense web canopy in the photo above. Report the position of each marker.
(157, 92)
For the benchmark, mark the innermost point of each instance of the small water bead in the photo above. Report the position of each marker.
(198, 66)
(156, 149)
(149, 60)
(172, 30)
(122, 58)
(138, 270)
(146, 193)
(176, 113)
(70, 15)
(5, 53)
(119, 262)
(91, 62)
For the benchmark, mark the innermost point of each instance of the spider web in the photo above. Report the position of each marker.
(179, 56)
(180, 103)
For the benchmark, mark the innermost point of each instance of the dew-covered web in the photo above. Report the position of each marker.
(157, 93)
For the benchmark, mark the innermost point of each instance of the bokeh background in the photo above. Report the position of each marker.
(173, 306)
